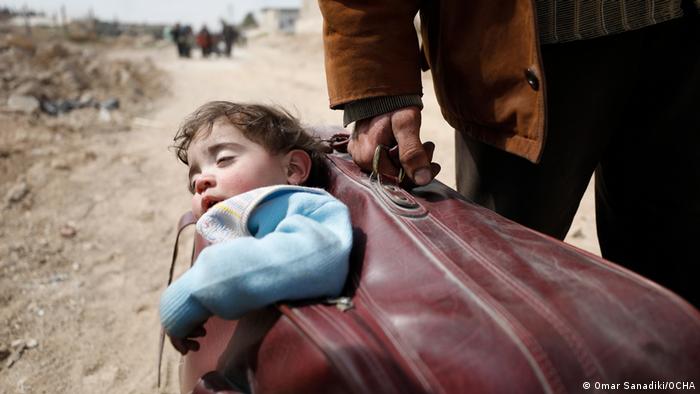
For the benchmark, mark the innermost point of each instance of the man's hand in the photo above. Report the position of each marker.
(184, 345)
(400, 127)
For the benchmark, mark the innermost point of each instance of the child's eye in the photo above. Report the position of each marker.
(225, 159)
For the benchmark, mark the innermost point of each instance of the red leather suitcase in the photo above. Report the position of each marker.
(449, 297)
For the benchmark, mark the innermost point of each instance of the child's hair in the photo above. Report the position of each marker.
(273, 128)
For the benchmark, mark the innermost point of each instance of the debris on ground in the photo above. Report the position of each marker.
(56, 95)
(10, 356)
(68, 230)
(57, 77)
(17, 192)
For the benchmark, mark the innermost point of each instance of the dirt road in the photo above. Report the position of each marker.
(87, 317)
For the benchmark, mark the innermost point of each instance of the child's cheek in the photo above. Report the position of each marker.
(234, 186)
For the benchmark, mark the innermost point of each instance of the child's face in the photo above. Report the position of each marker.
(225, 163)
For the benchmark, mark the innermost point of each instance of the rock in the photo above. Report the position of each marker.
(90, 155)
(141, 308)
(87, 100)
(32, 343)
(60, 164)
(68, 230)
(17, 192)
(26, 104)
(147, 216)
(45, 76)
(17, 344)
(30, 88)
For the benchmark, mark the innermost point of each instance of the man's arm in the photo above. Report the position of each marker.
(373, 60)
(371, 49)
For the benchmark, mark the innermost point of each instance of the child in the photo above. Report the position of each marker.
(272, 239)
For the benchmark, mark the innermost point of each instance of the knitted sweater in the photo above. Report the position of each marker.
(272, 244)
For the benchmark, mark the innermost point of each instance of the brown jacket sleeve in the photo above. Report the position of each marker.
(371, 49)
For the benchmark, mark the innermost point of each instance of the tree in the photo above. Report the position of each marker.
(249, 22)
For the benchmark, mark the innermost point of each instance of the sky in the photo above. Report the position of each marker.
(195, 12)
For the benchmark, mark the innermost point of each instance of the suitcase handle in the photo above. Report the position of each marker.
(339, 143)
(391, 152)
(186, 220)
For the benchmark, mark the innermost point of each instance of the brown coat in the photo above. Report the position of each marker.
(483, 54)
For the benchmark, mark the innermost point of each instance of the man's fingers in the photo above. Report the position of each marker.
(403, 127)
(412, 154)
(368, 134)
(430, 150)
(362, 152)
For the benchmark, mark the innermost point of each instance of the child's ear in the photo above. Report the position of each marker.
(298, 166)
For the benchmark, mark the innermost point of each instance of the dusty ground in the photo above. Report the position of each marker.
(84, 253)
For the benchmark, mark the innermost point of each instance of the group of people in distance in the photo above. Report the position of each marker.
(220, 43)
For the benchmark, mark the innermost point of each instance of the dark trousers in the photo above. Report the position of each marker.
(626, 106)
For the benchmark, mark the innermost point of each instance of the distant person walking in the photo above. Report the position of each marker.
(175, 36)
(179, 35)
(229, 34)
(182, 36)
(204, 41)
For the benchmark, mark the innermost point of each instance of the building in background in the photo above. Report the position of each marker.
(278, 20)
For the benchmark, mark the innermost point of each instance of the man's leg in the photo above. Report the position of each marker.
(648, 182)
(586, 91)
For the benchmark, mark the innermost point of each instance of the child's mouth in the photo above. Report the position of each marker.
(207, 203)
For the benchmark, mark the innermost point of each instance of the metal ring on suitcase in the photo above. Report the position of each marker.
(375, 162)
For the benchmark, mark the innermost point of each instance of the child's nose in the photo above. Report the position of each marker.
(203, 183)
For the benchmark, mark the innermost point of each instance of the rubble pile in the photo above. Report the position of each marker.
(52, 77)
